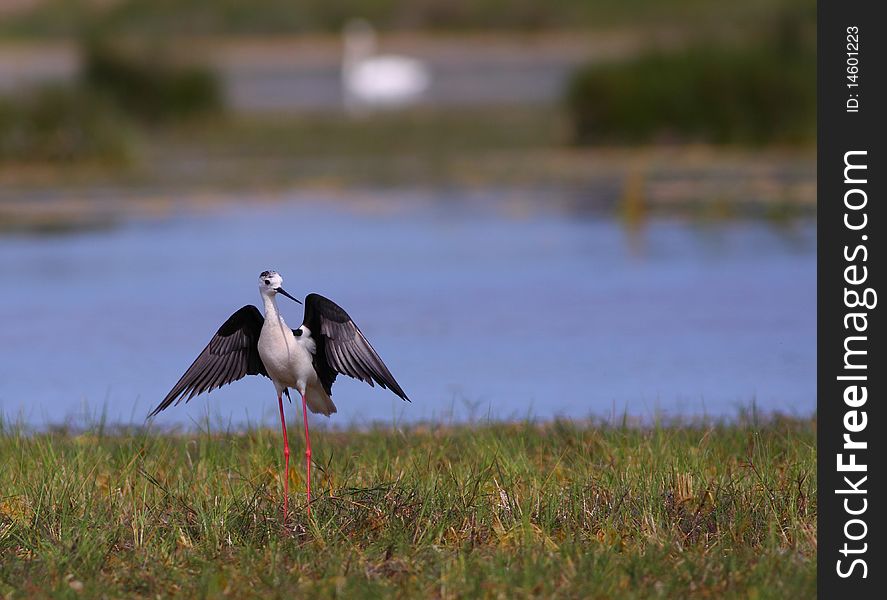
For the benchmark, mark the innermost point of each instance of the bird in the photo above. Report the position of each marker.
(371, 80)
(306, 359)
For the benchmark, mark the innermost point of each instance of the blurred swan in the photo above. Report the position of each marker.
(374, 81)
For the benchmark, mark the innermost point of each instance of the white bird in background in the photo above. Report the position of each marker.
(306, 359)
(378, 81)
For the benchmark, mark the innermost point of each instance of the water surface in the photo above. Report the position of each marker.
(479, 305)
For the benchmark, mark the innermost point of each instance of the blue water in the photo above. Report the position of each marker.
(480, 306)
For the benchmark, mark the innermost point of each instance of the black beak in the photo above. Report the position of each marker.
(280, 290)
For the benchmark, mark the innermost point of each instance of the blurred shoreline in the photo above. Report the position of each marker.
(296, 74)
(695, 181)
(493, 120)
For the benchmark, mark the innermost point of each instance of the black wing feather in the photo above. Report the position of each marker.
(342, 347)
(231, 354)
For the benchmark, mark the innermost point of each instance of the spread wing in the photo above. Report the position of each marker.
(342, 347)
(232, 354)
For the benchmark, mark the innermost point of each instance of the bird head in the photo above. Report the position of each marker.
(270, 283)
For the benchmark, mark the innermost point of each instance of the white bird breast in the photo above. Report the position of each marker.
(287, 358)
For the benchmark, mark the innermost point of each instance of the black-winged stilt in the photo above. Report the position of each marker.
(306, 359)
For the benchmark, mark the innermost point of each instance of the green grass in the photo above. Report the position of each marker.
(520, 510)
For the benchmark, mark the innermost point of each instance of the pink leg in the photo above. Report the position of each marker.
(286, 458)
(308, 449)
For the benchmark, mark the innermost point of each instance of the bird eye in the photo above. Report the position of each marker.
(298, 332)
(267, 282)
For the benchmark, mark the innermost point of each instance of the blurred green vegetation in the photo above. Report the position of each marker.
(146, 83)
(98, 116)
(755, 85)
(62, 123)
(170, 17)
(754, 93)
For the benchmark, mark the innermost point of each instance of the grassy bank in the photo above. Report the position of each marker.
(522, 152)
(515, 510)
(472, 147)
